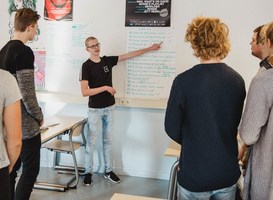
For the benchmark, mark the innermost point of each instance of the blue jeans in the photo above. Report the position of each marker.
(221, 194)
(100, 120)
(30, 160)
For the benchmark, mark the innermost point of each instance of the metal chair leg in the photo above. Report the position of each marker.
(172, 190)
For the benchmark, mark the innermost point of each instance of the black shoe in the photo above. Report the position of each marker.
(112, 177)
(87, 181)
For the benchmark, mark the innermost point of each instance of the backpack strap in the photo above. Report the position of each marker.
(267, 62)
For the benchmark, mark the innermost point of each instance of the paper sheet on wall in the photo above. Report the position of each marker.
(150, 76)
(65, 55)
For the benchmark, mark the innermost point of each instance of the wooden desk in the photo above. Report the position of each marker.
(173, 150)
(118, 196)
(64, 124)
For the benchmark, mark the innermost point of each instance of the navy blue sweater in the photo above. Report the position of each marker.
(203, 114)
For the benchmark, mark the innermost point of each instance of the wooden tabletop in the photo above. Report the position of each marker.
(173, 149)
(59, 124)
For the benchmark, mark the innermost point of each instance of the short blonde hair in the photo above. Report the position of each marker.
(88, 39)
(208, 38)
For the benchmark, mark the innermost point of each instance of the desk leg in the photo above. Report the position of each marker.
(172, 191)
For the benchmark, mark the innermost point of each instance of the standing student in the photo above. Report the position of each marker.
(10, 129)
(96, 82)
(257, 125)
(256, 50)
(18, 59)
(203, 113)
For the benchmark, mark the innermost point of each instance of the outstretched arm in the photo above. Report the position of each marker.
(139, 52)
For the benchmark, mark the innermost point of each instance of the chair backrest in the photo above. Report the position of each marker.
(77, 129)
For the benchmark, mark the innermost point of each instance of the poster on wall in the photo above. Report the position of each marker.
(58, 10)
(15, 5)
(148, 13)
(39, 69)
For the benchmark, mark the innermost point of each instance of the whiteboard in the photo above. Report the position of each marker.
(105, 20)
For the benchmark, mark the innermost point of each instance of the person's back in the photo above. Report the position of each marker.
(212, 97)
(203, 113)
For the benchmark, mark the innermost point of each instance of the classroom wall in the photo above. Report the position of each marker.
(139, 140)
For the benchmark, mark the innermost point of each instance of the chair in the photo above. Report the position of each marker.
(68, 146)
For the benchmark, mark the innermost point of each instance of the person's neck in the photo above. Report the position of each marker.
(268, 53)
(258, 55)
(212, 60)
(95, 59)
(21, 37)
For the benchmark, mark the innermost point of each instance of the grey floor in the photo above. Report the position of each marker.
(102, 189)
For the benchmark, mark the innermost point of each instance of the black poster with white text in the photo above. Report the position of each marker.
(148, 13)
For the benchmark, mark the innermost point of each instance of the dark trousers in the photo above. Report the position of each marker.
(30, 161)
(4, 184)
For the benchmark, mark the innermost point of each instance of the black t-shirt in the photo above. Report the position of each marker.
(97, 75)
(16, 56)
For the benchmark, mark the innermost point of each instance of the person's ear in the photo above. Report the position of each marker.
(270, 44)
(28, 28)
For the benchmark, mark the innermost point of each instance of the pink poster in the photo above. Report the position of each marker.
(39, 69)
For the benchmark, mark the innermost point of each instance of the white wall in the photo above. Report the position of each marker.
(139, 140)
(242, 17)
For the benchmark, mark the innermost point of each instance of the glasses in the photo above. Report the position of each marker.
(94, 46)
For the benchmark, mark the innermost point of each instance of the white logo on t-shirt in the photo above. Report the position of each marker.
(106, 69)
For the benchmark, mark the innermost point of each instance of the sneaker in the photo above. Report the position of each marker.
(87, 181)
(112, 177)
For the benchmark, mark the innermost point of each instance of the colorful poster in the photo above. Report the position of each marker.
(15, 5)
(58, 10)
(148, 13)
(39, 69)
